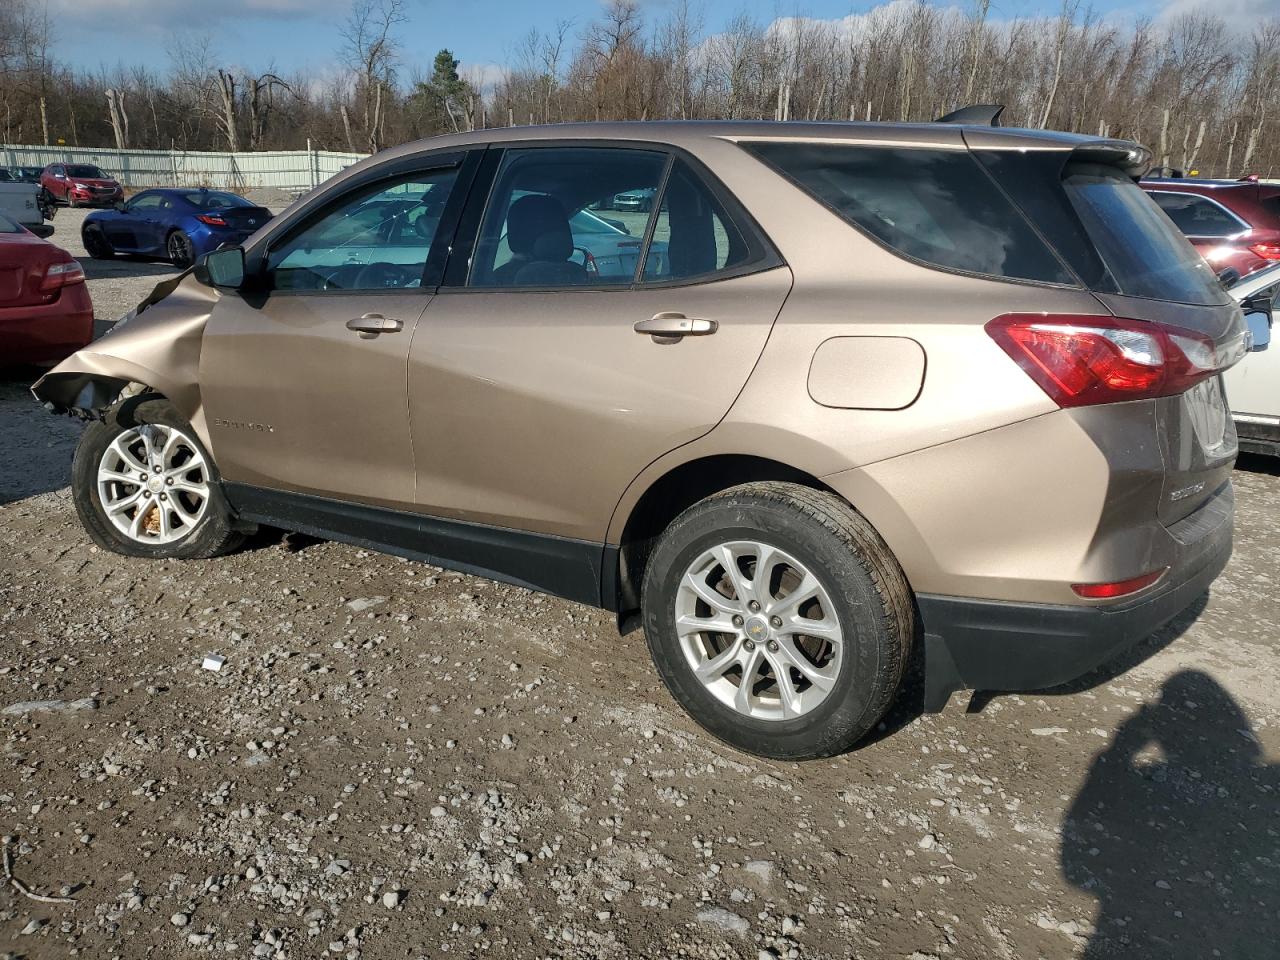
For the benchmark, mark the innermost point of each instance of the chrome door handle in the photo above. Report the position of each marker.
(372, 324)
(671, 327)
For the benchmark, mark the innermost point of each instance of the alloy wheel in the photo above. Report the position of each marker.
(153, 484)
(758, 630)
(179, 247)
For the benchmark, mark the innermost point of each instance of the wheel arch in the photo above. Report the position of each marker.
(637, 527)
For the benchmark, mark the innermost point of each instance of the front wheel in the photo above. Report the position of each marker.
(144, 485)
(97, 245)
(779, 619)
(181, 253)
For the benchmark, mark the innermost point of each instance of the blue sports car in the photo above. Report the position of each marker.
(176, 224)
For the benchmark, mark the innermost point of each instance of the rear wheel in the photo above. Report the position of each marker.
(181, 253)
(96, 244)
(144, 485)
(779, 619)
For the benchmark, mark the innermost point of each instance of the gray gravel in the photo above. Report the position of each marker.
(397, 761)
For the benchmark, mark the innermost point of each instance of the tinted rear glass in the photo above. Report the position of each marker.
(215, 199)
(1197, 216)
(1144, 252)
(936, 206)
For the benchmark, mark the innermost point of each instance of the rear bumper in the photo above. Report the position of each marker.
(48, 333)
(997, 645)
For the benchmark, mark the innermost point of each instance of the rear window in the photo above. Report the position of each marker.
(1143, 251)
(1198, 216)
(215, 199)
(936, 206)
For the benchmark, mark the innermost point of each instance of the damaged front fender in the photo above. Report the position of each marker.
(156, 347)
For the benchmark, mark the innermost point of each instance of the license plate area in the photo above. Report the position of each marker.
(1206, 409)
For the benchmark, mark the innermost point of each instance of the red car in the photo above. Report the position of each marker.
(45, 311)
(1233, 223)
(81, 184)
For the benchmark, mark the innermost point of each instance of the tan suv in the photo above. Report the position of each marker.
(838, 388)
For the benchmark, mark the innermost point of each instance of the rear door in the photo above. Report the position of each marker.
(304, 381)
(539, 387)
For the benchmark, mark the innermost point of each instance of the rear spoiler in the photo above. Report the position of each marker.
(1133, 158)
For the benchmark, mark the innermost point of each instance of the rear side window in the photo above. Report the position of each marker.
(936, 206)
(1198, 216)
(692, 236)
(1144, 253)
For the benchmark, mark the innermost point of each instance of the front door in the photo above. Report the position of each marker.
(567, 358)
(304, 382)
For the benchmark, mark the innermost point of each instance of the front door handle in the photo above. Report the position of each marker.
(372, 324)
(672, 327)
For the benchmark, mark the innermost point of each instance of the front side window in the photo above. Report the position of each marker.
(1197, 216)
(147, 201)
(567, 217)
(377, 238)
(935, 206)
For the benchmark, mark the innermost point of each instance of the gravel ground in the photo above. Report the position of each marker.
(400, 762)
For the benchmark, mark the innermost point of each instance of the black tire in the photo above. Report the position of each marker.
(212, 536)
(96, 244)
(178, 246)
(873, 604)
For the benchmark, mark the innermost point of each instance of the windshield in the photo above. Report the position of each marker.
(1145, 253)
(86, 170)
(215, 199)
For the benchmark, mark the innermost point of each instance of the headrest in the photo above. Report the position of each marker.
(538, 228)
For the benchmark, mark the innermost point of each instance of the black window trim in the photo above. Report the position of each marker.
(1244, 226)
(941, 268)
(763, 253)
(317, 207)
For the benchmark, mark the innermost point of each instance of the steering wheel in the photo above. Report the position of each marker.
(380, 274)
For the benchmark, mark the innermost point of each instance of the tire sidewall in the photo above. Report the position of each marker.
(214, 531)
(188, 258)
(850, 709)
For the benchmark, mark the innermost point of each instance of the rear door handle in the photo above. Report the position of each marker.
(671, 327)
(372, 324)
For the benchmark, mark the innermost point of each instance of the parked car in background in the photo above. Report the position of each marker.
(862, 398)
(81, 185)
(45, 312)
(1234, 224)
(25, 174)
(177, 224)
(639, 201)
(26, 204)
(1253, 385)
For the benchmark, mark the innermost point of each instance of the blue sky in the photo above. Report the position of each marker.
(304, 33)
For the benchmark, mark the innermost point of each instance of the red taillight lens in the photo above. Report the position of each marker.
(1118, 588)
(211, 219)
(58, 275)
(1267, 251)
(1083, 359)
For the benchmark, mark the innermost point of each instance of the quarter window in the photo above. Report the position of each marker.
(1197, 216)
(936, 206)
(375, 239)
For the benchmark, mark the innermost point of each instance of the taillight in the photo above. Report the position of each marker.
(212, 219)
(1117, 588)
(1267, 251)
(1080, 360)
(58, 275)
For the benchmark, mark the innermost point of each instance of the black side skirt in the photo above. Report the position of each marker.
(578, 570)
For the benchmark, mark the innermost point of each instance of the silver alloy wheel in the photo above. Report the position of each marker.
(153, 484)
(758, 630)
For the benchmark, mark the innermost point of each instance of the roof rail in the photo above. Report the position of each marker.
(980, 115)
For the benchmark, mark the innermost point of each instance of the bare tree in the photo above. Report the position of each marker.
(371, 49)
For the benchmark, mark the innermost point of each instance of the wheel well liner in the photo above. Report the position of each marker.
(672, 494)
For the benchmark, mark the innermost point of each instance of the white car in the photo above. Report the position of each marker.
(1253, 384)
(22, 203)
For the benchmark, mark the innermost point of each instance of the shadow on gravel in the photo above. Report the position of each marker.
(1175, 832)
(123, 266)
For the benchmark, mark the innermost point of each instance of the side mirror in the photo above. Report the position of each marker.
(1257, 317)
(120, 205)
(222, 268)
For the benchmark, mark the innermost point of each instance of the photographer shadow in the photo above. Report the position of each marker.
(1175, 832)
